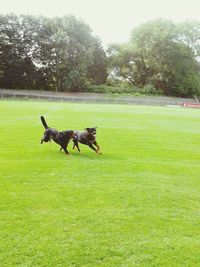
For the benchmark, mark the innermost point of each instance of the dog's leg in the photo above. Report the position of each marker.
(65, 149)
(98, 148)
(93, 148)
(95, 143)
(76, 144)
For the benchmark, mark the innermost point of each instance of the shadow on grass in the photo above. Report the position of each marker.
(94, 156)
(105, 156)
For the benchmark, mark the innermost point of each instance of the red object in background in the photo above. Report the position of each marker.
(191, 105)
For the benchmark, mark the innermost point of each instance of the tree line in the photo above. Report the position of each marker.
(62, 54)
(58, 54)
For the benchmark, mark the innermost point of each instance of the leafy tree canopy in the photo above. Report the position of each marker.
(49, 53)
(163, 54)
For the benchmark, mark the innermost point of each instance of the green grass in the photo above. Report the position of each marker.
(137, 204)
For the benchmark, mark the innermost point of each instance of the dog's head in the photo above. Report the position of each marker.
(91, 130)
(47, 136)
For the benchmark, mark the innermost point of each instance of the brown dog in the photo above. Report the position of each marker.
(87, 137)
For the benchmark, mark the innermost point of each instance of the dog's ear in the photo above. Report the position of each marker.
(87, 129)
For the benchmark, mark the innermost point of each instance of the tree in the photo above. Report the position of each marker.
(59, 54)
(159, 54)
(16, 47)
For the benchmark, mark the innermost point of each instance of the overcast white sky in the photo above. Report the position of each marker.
(111, 20)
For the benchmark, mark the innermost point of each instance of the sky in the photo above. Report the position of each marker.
(111, 20)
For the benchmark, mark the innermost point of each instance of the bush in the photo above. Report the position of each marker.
(121, 89)
(105, 89)
(149, 89)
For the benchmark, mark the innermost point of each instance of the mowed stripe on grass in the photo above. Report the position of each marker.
(137, 204)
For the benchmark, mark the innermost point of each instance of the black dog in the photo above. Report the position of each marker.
(88, 137)
(61, 138)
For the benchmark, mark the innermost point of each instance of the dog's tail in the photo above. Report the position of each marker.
(44, 122)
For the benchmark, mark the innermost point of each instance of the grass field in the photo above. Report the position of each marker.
(137, 204)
